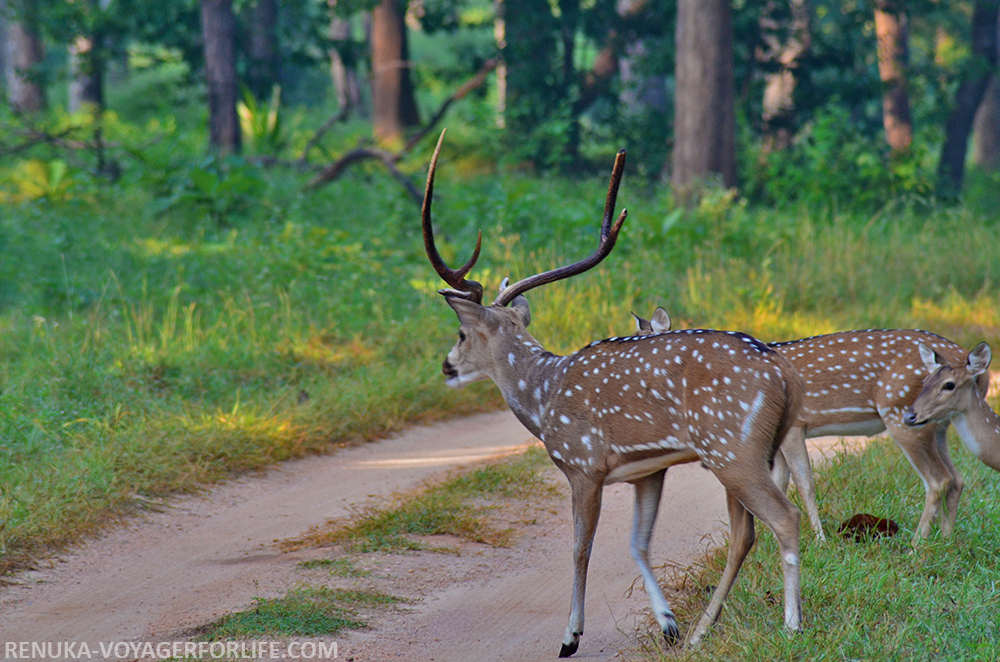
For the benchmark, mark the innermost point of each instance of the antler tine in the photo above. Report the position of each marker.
(454, 277)
(609, 235)
(609, 203)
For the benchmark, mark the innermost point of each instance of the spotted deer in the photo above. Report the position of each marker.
(861, 383)
(955, 392)
(625, 409)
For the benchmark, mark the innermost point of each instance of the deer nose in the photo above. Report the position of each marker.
(448, 369)
(910, 417)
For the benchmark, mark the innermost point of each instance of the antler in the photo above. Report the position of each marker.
(609, 234)
(454, 277)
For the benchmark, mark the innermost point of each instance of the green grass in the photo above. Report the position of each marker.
(307, 611)
(342, 567)
(149, 349)
(880, 600)
(458, 506)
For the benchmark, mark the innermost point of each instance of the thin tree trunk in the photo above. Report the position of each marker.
(394, 106)
(262, 72)
(500, 36)
(986, 134)
(779, 103)
(704, 100)
(344, 77)
(86, 85)
(893, 58)
(23, 55)
(951, 167)
(218, 31)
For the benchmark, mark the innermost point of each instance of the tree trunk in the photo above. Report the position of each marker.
(704, 105)
(394, 107)
(951, 167)
(262, 70)
(986, 134)
(893, 57)
(344, 74)
(218, 31)
(786, 42)
(500, 36)
(86, 85)
(23, 55)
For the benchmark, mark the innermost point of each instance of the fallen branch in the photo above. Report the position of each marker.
(390, 159)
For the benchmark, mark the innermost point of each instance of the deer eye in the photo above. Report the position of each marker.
(948, 386)
(461, 338)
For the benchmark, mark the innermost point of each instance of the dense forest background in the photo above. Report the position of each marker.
(785, 100)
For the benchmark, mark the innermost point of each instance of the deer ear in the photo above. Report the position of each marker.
(520, 306)
(469, 312)
(979, 359)
(932, 360)
(660, 322)
(641, 325)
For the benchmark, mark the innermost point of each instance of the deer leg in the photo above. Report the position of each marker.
(920, 448)
(763, 499)
(647, 503)
(741, 539)
(796, 455)
(780, 472)
(949, 514)
(586, 496)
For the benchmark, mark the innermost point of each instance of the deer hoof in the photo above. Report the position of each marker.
(569, 649)
(671, 633)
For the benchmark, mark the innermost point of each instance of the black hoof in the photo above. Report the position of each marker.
(671, 633)
(568, 649)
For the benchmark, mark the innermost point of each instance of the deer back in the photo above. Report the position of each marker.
(697, 394)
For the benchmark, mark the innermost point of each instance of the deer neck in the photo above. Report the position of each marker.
(527, 376)
(979, 428)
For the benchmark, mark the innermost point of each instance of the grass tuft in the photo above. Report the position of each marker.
(458, 506)
(307, 611)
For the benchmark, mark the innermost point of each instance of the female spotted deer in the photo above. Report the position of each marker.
(954, 392)
(861, 383)
(625, 409)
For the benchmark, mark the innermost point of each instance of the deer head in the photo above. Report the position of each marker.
(474, 357)
(949, 388)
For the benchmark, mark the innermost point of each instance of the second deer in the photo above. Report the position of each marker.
(625, 409)
(861, 383)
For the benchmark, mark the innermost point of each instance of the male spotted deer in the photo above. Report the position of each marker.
(860, 383)
(625, 409)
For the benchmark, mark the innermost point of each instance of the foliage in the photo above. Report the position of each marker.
(832, 160)
(262, 125)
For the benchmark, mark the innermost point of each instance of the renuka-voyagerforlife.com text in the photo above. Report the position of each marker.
(147, 650)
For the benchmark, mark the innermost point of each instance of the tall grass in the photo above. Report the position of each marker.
(146, 350)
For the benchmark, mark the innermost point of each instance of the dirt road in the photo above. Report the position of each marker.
(205, 556)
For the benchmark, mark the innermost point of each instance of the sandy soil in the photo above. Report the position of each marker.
(201, 557)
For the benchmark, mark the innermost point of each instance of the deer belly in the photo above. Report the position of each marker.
(629, 470)
(847, 424)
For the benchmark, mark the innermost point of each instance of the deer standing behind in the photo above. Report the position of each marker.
(625, 409)
(955, 391)
(861, 383)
